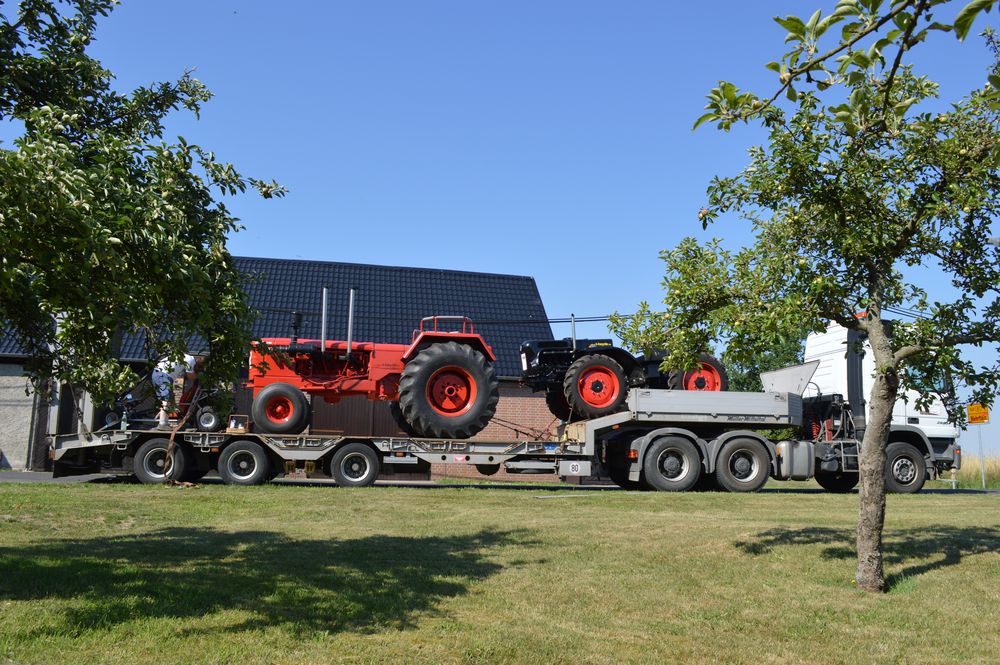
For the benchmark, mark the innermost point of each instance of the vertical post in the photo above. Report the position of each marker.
(350, 321)
(572, 320)
(982, 459)
(322, 325)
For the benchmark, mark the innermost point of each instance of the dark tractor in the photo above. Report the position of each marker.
(591, 378)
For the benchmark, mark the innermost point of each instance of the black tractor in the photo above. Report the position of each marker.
(591, 377)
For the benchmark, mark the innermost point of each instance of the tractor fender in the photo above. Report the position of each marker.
(643, 442)
(427, 338)
(715, 445)
(620, 356)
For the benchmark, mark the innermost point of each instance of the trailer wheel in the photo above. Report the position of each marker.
(488, 469)
(280, 408)
(448, 391)
(151, 461)
(710, 375)
(595, 386)
(905, 468)
(208, 420)
(558, 406)
(839, 483)
(244, 463)
(671, 464)
(743, 466)
(354, 465)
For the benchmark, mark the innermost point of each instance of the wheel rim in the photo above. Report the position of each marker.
(279, 409)
(744, 466)
(706, 377)
(242, 465)
(207, 420)
(904, 470)
(598, 386)
(672, 464)
(155, 463)
(451, 391)
(355, 467)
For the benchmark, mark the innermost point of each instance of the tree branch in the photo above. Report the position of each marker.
(918, 10)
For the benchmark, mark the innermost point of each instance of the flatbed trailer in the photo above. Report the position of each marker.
(666, 440)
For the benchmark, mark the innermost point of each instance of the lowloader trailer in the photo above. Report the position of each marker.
(666, 440)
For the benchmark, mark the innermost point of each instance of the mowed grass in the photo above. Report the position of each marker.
(139, 574)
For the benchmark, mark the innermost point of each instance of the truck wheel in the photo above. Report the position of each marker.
(208, 420)
(448, 391)
(595, 386)
(905, 468)
(244, 463)
(354, 465)
(672, 464)
(743, 466)
(151, 460)
(710, 376)
(558, 406)
(839, 483)
(280, 408)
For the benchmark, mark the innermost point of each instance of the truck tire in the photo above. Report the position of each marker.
(558, 406)
(354, 465)
(595, 386)
(671, 464)
(448, 391)
(208, 420)
(710, 376)
(838, 483)
(397, 417)
(280, 408)
(150, 460)
(905, 468)
(743, 465)
(244, 463)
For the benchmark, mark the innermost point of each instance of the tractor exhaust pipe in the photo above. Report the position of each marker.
(572, 319)
(322, 326)
(296, 324)
(350, 321)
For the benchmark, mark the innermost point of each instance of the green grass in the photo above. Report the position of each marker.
(139, 574)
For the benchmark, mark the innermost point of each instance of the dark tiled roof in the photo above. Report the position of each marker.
(389, 303)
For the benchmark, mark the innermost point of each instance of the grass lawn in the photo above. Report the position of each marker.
(135, 574)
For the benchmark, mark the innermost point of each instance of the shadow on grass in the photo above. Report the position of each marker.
(302, 585)
(918, 550)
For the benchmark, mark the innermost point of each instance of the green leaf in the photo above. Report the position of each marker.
(965, 18)
(705, 118)
(792, 24)
(995, 81)
(813, 22)
(774, 66)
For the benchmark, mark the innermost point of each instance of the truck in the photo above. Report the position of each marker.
(665, 440)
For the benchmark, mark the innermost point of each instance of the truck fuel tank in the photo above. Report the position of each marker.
(795, 460)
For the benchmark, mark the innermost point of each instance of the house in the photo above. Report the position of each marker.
(389, 303)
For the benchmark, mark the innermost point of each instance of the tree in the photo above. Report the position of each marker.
(846, 202)
(104, 227)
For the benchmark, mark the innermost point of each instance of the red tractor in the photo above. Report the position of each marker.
(441, 385)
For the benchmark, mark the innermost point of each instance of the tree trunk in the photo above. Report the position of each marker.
(871, 508)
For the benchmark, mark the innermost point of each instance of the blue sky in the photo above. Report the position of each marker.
(550, 139)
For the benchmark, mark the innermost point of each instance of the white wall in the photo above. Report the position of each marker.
(15, 417)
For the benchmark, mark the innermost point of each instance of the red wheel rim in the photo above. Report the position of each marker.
(451, 391)
(598, 386)
(279, 409)
(705, 377)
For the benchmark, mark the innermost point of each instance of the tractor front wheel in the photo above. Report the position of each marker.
(448, 391)
(280, 408)
(595, 386)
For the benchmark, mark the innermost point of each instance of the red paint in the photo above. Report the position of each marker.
(705, 377)
(598, 386)
(451, 391)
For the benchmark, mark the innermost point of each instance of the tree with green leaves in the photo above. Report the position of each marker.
(864, 201)
(105, 227)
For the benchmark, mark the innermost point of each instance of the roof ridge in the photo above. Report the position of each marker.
(379, 265)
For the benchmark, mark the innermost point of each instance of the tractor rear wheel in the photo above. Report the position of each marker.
(280, 408)
(709, 376)
(595, 386)
(397, 417)
(448, 391)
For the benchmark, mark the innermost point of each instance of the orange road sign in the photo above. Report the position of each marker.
(978, 414)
